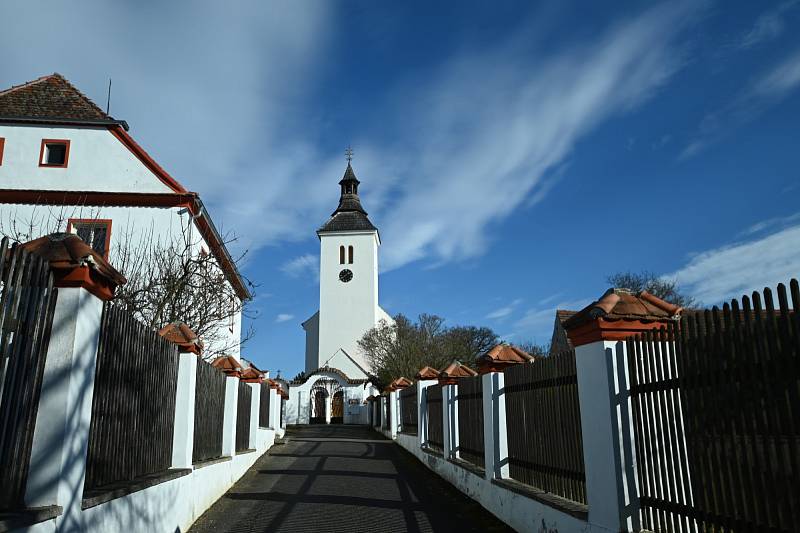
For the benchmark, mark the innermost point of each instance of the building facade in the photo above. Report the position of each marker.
(67, 166)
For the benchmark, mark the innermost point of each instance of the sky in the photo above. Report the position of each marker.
(512, 154)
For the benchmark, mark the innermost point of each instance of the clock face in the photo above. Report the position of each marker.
(345, 275)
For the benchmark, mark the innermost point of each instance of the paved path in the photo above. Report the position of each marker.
(342, 478)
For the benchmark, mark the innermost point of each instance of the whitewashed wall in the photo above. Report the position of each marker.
(98, 161)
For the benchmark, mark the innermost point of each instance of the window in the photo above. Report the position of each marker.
(2, 145)
(341, 255)
(95, 233)
(54, 153)
(350, 254)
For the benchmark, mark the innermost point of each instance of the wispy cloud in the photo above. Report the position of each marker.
(770, 223)
(489, 129)
(505, 311)
(283, 317)
(304, 265)
(766, 91)
(768, 27)
(739, 268)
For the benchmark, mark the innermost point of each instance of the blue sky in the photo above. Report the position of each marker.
(513, 154)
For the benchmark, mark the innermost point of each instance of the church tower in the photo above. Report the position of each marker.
(348, 286)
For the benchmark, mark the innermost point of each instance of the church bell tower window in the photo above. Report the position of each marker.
(350, 255)
(341, 255)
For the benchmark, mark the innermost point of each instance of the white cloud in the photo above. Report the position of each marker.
(303, 265)
(505, 311)
(224, 98)
(283, 317)
(769, 26)
(736, 269)
(490, 128)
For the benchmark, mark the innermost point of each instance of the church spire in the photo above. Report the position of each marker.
(349, 215)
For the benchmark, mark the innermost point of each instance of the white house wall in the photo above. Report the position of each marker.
(98, 161)
(141, 223)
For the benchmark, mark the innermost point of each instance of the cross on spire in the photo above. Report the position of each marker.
(348, 154)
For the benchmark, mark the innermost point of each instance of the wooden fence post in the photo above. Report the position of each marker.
(229, 420)
(183, 435)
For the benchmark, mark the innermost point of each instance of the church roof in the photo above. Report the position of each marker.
(50, 98)
(349, 215)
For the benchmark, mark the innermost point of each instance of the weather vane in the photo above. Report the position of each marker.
(349, 154)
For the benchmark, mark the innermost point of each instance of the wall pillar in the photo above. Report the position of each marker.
(600, 428)
(394, 420)
(229, 419)
(183, 430)
(255, 409)
(61, 437)
(495, 434)
(422, 412)
(450, 421)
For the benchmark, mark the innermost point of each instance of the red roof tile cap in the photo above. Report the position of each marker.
(251, 375)
(228, 364)
(181, 334)
(623, 304)
(427, 372)
(457, 369)
(75, 264)
(506, 353)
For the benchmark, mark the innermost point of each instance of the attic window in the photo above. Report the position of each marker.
(95, 233)
(54, 153)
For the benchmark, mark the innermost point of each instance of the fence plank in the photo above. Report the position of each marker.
(435, 440)
(209, 412)
(409, 410)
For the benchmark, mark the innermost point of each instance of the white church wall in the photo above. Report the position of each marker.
(97, 161)
(347, 310)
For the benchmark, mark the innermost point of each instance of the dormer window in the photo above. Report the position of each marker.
(54, 153)
(95, 233)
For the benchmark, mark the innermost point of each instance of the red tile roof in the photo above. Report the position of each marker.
(49, 97)
(251, 375)
(182, 335)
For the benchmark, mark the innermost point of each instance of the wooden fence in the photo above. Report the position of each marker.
(409, 409)
(545, 447)
(377, 404)
(209, 413)
(715, 408)
(470, 420)
(435, 440)
(27, 301)
(133, 407)
(243, 417)
(263, 410)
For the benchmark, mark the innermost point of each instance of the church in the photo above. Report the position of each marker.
(337, 379)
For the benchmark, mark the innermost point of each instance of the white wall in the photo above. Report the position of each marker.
(347, 310)
(98, 161)
(142, 224)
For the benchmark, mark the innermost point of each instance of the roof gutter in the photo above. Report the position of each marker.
(67, 121)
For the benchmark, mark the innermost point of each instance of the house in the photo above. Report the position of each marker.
(68, 166)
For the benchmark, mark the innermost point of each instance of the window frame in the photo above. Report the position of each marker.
(2, 149)
(95, 222)
(45, 142)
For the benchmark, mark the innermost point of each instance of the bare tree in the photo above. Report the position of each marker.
(170, 278)
(402, 348)
(177, 279)
(534, 349)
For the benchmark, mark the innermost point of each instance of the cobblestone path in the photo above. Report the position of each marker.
(342, 478)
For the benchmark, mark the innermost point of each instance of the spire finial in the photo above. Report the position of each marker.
(348, 154)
